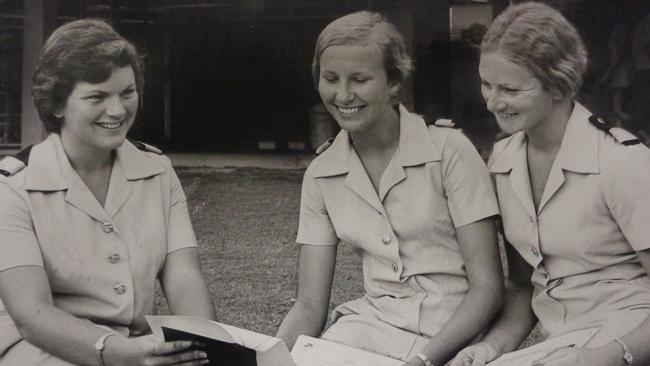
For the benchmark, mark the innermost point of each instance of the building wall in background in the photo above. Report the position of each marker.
(226, 75)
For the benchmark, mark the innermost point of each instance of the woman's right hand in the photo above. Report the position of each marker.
(476, 355)
(146, 350)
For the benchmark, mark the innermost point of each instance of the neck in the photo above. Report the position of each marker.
(547, 136)
(383, 135)
(85, 159)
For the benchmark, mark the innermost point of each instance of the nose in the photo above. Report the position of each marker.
(344, 94)
(493, 101)
(115, 107)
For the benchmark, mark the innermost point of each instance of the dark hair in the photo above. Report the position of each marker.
(83, 50)
(366, 28)
(539, 38)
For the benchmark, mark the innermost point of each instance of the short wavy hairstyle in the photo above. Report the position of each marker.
(83, 50)
(539, 38)
(365, 28)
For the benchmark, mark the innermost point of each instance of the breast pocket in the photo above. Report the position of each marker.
(149, 245)
(146, 217)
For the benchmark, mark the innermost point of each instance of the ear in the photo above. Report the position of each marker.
(556, 94)
(394, 87)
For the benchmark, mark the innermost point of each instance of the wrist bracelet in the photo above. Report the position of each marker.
(100, 345)
(627, 354)
(424, 359)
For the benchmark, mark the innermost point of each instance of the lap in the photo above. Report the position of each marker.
(375, 336)
(613, 325)
(617, 326)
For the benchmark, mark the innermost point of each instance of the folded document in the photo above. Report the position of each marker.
(309, 351)
(231, 346)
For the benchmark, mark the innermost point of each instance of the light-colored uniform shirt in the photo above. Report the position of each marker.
(593, 215)
(414, 275)
(101, 262)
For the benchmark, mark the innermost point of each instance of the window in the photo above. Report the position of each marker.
(11, 38)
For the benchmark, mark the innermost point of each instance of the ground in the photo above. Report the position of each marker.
(246, 221)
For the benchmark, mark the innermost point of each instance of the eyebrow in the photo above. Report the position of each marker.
(506, 85)
(132, 85)
(353, 74)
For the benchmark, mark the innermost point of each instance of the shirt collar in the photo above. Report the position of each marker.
(49, 169)
(505, 152)
(136, 163)
(415, 147)
(578, 150)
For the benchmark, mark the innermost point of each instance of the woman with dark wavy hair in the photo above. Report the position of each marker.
(89, 221)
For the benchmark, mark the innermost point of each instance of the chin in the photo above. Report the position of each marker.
(508, 128)
(351, 126)
(114, 143)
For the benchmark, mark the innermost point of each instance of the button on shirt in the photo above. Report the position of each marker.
(414, 274)
(593, 215)
(102, 262)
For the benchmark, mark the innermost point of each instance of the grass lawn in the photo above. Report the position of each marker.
(246, 221)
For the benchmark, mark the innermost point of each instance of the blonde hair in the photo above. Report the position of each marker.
(366, 28)
(539, 38)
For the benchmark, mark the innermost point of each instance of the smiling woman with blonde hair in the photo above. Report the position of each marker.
(573, 200)
(414, 201)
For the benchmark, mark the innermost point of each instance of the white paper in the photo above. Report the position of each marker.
(526, 356)
(270, 351)
(309, 351)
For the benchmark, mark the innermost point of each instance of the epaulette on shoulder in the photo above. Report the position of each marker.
(619, 134)
(13, 164)
(146, 147)
(324, 146)
(444, 122)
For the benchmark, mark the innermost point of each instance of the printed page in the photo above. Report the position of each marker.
(526, 356)
(309, 351)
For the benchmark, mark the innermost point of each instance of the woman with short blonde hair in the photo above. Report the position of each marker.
(573, 201)
(414, 201)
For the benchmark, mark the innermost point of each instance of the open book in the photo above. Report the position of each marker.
(231, 346)
(526, 356)
(225, 345)
(309, 351)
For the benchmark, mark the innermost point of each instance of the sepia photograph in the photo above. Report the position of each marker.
(325, 182)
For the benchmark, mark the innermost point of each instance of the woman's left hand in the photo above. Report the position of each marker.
(575, 357)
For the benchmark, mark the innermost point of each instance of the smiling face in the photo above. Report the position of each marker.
(98, 116)
(354, 87)
(517, 99)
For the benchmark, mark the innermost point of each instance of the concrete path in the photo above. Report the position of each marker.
(217, 160)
